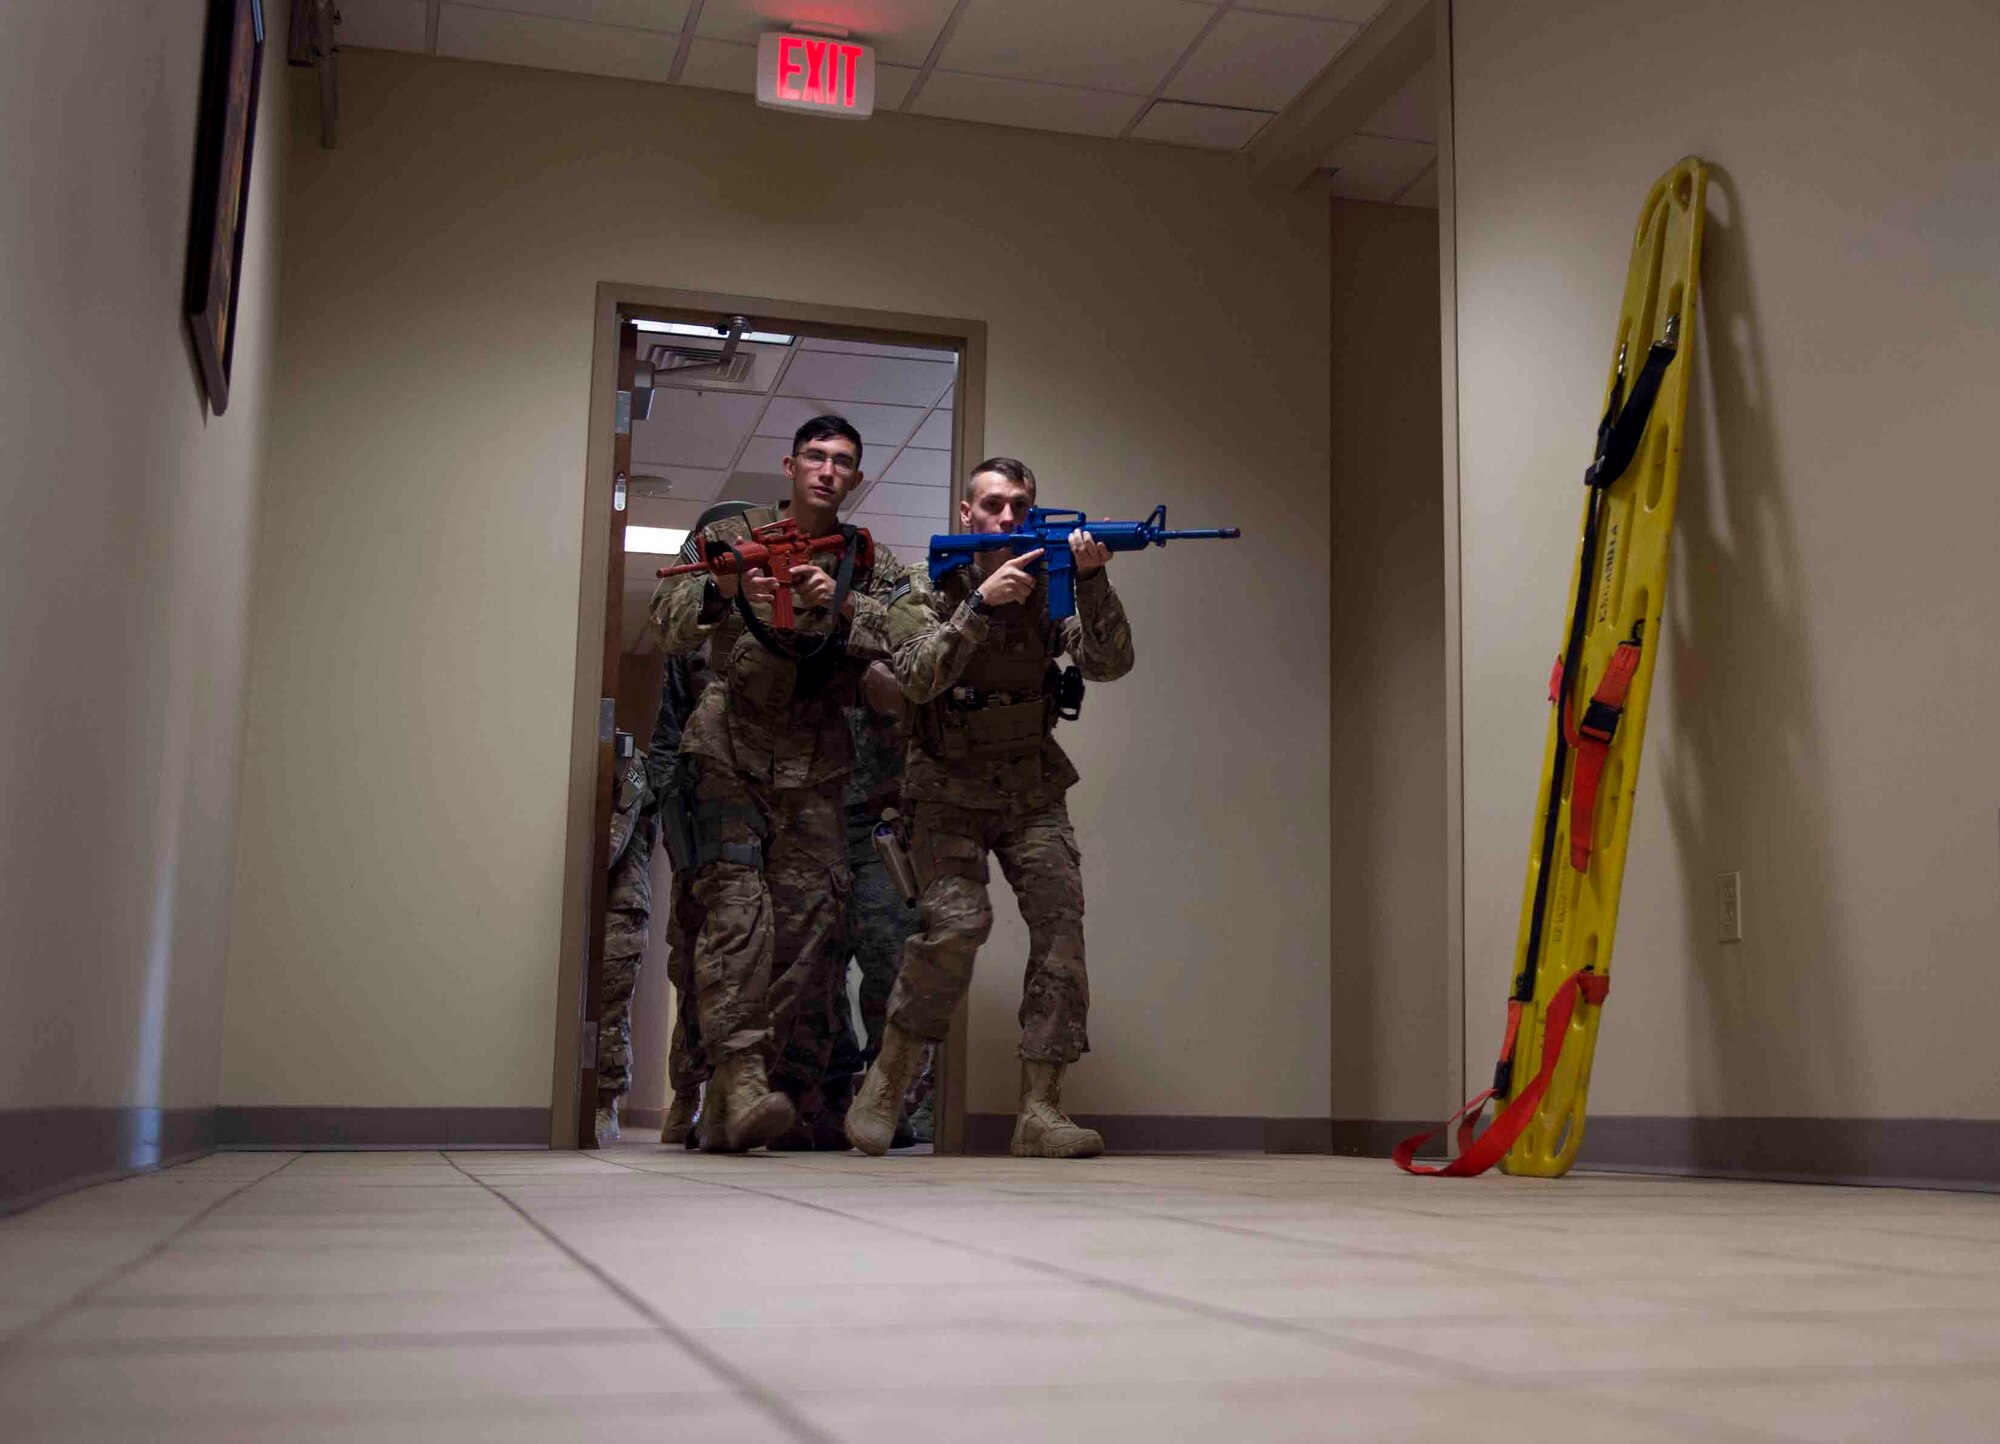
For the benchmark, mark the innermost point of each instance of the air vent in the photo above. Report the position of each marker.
(700, 364)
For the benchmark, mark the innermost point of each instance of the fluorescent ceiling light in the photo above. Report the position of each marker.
(710, 333)
(659, 541)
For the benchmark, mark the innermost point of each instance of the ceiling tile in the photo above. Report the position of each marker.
(1126, 45)
(715, 65)
(882, 428)
(507, 39)
(1376, 168)
(1213, 127)
(1024, 104)
(682, 483)
(935, 432)
(877, 348)
(383, 24)
(1412, 112)
(693, 428)
(909, 536)
(1258, 62)
(764, 456)
(925, 501)
(1423, 191)
(760, 488)
(1354, 12)
(835, 377)
(918, 467)
(633, 14)
(892, 85)
(949, 392)
(902, 31)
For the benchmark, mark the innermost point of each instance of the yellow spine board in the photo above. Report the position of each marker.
(1628, 586)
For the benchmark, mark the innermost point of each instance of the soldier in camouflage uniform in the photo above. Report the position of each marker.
(875, 925)
(772, 753)
(977, 654)
(682, 679)
(628, 911)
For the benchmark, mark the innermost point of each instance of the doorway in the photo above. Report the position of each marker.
(731, 379)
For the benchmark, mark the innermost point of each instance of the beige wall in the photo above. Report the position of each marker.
(1823, 710)
(1156, 335)
(124, 560)
(1387, 585)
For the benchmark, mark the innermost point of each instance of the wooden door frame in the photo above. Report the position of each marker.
(616, 302)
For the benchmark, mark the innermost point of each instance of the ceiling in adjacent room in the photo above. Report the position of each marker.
(703, 443)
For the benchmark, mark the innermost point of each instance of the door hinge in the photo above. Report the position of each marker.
(624, 413)
(589, 1046)
(607, 719)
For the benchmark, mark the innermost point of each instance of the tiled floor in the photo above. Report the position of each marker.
(644, 1293)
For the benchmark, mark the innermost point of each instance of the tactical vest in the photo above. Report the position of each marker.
(760, 682)
(1003, 704)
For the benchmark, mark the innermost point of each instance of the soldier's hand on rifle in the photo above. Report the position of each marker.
(815, 587)
(758, 586)
(1011, 581)
(1090, 554)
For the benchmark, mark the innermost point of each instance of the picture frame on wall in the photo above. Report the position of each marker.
(231, 76)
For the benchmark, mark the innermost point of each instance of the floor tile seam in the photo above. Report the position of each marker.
(1449, 1269)
(1862, 1267)
(1421, 1363)
(260, 1298)
(292, 1414)
(1086, 1394)
(12, 1342)
(338, 1343)
(747, 1388)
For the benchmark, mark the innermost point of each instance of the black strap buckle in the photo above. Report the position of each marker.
(1600, 721)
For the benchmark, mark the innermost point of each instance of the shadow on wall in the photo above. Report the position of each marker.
(1744, 779)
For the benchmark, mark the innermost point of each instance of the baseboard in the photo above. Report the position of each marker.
(1375, 1137)
(1957, 1153)
(338, 1128)
(49, 1151)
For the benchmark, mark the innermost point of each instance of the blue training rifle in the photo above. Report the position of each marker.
(1048, 529)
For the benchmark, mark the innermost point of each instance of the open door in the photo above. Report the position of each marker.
(607, 756)
(661, 366)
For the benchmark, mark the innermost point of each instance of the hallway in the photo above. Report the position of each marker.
(645, 1293)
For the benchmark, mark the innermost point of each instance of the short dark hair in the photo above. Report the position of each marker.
(821, 427)
(1015, 471)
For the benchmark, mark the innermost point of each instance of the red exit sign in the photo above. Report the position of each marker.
(819, 73)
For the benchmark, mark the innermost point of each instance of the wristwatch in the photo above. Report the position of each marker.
(977, 604)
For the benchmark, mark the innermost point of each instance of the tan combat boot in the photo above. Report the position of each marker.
(1043, 1130)
(679, 1122)
(871, 1120)
(740, 1109)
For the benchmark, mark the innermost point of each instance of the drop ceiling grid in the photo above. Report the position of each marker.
(1098, 67)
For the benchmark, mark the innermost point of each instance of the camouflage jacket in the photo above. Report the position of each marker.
(630, 797)
(683, 678)
(751, 717)
(935, 638)
(880, 744)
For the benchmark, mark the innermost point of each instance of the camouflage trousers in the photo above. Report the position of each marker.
(1038, 855)
(767, 949)
(687, 1065)
(627, 915)
(874, 926)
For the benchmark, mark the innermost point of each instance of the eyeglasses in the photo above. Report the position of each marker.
(840, 461)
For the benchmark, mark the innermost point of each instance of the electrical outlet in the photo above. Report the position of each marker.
(1729, 907)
